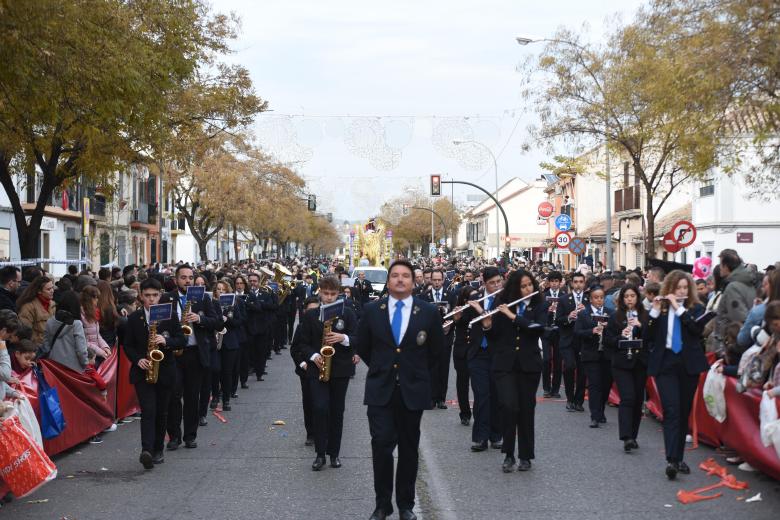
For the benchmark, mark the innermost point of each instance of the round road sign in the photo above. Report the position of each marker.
(670, 244)
(562, 240)
(545, 209)
(684, 233)
(563, 222)
(577, 246)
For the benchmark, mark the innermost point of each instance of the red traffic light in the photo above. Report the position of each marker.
(435, 185)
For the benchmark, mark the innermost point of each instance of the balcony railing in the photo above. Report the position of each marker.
(627, 199)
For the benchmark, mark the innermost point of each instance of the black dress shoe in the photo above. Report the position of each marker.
(603, 420)
(479, 446)
(234, 396)
(634, 445)
(683, 468)
(627, 445)
(570, 407)
(546, 394)
(378, 514)
(213, 404)
(509, 464)
(594, 423)
(524, 465)
(318, 463)
(146, 460)
(406, 514)
(226, 407)
(335, 462)
(309, 441)
(158, 458)
(671, 470)
(497, 445)
(441, 406)
(556, 395)
(465, 421)
(190, 444)
(579, 408)
(202, 422)
(173, 444)
(260, 379)
(244, 386)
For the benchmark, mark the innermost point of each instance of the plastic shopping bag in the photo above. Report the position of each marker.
(28, 420)
(770, 424)
(52, 420)
(24, 466)
(714, 398)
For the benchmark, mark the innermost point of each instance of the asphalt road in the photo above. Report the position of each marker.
(249, 469)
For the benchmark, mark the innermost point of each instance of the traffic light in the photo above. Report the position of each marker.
(405, 210)
(312, 203)
(330, 217)
(435, 185)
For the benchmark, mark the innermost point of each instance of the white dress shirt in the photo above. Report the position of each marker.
(406, 312)
(654, 313)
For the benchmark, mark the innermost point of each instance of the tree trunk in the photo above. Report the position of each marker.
(204, 256)
(235, 241)
(650, 232)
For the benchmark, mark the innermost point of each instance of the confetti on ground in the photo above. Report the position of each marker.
(667, 505)
(103, 469)
(69, 476)
(41, 501)
(754, 498)
(279, 423)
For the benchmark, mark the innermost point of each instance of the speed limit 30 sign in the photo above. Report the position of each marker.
(562, 240)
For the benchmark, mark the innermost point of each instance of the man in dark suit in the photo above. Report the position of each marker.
(10, 277)
(364, 286)
(444, 300)
(400, 339)
(261, 308)
(153, 398)
(300, 371)
(551, 353)
(327, 397)
(192, 361)
(573, 373)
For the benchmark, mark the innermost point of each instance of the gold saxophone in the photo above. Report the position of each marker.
(154, 355)
(326, 351)
(186, 329)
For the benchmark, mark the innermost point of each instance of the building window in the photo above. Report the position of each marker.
(5, 244)
(105, 249)
(707, 187)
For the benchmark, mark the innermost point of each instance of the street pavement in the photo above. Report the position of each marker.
(248, 468)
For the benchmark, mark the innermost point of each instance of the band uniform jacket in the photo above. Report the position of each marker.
(553, 334)
(261, 308)
(692, 351)
(613, 334)
(309, 342)
(365, 288)
(204, 329)
(410, 364)
(136, 344)
(518, 339)
(589, 342)
(566, 304)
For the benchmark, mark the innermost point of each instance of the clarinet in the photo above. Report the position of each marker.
(631, 315)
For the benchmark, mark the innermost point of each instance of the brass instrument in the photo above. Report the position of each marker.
(265, 275)
(154, 355)
(326, 351)
(285, 287)
(186, 329)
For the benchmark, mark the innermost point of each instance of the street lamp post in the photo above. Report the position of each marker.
(523, 40)
(458, 142)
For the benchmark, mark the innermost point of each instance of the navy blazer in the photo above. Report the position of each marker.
(261, 309)
(589, 342)
(518, 339)
(613, 334)
(309, 341)
(409, 364)
(136, 344)
(204, 329)
(692, 352)
(566, 304)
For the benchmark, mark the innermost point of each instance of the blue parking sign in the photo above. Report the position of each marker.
(563, 222)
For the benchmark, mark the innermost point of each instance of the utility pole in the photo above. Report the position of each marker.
(609, 211)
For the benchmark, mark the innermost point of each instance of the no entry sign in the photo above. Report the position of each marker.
(670, 244)
(684, 233)
(562, 240)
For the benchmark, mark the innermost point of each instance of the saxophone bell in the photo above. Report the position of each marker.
(154, 355)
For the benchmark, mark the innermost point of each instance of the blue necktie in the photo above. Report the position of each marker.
(397, 320)
(183, 301)
(677, 335)
(521, 309)
(487, 308)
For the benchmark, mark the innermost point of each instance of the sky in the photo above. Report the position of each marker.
(366, 97)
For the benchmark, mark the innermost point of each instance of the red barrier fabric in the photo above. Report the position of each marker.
(126, 401)
(740, 431)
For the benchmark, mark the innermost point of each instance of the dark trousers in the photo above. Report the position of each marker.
(677, 389)
(281, 331)
(517, 402)
(308, 421)
(599, 375)
(327, 402)
(290, 325)
(462, 386)
(394, 425)
(441, 382)
(260, 348)
(153, 400)
(573, 375)
(205, 391)
(551, 368)
(487, 420)
(244, 362)
(631, 387)
(222, 381)
(188, 383)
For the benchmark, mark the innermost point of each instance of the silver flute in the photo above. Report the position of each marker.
(492, 312)
(462, 308)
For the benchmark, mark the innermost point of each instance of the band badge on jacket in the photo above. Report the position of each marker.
(339, 325)
(421, 337)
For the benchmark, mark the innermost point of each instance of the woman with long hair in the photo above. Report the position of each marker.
(109, 317)
(629, 362)
(513, 338)
(676, 359)
(36, 306)
(90, 318)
